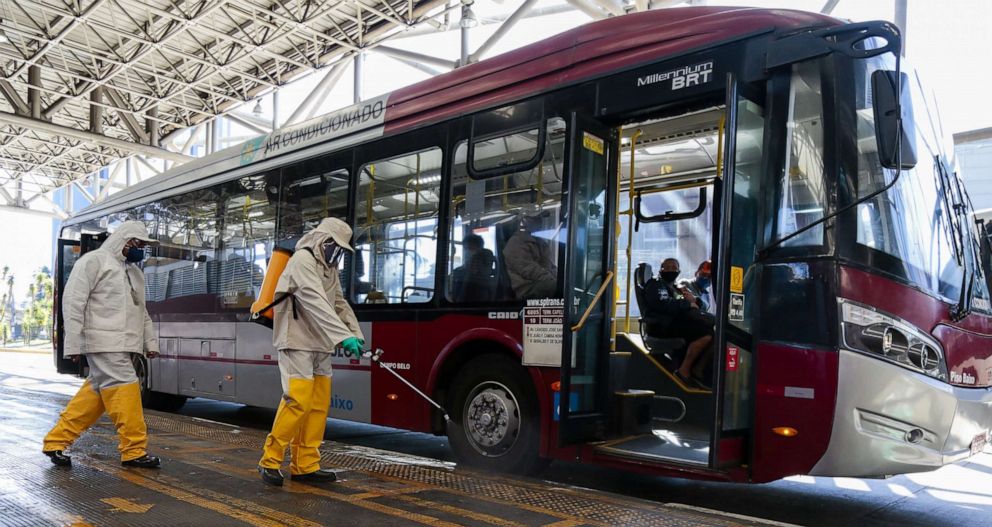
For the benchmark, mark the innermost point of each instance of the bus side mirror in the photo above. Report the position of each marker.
(895, 149)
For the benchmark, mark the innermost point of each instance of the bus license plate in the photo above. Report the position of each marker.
(978, 444)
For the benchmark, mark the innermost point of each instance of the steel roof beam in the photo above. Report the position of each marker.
(504, 28)
(73, 23)
(615, 7)
(132, 124)
(593, 11)
(419, 57)
(9, 93)
(45, 126)
(319, 91)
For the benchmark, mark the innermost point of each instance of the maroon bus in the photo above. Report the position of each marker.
(509, 217)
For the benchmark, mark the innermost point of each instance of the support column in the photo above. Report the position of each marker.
(901, 16)
(208, 142)
(96, 111)
(275, 108)
(151, 126)
(67, 193)
(34, 94)
(359, 63)
(465, 23)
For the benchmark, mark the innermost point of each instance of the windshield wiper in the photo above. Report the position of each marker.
(962, 240)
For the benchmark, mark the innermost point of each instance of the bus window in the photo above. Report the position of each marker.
(177, 268)
(311, 191)
(488, 213)
(801, 189)
(247, 227)
(396, 228)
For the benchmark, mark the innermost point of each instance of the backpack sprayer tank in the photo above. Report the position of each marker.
(262, 306)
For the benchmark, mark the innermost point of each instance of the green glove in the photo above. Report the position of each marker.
(352, 346)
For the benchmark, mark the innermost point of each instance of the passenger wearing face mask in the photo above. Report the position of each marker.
(700, 288)
(103, 308)
(307, 328)
(679, 314)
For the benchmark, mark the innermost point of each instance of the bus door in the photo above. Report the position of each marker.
(68, 252)
(583, 397)
(736, 238)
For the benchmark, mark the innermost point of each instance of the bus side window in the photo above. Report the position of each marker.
(396, 224)
(311, 191)
(488, 212)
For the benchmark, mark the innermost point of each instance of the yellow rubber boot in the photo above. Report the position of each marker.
(305, 448)
(289, 419)
(123, 405)
(81, 412)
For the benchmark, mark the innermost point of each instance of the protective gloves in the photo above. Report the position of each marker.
(353, 346)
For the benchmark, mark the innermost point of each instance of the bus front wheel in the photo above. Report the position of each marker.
(495, 420)
(165, 402)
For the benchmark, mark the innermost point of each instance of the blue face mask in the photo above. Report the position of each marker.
(703, 282)
(135, 254)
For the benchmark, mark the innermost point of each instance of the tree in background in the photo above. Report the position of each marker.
(6, 300)
(40, 311)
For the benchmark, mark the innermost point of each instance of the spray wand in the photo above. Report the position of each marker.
(377, 354)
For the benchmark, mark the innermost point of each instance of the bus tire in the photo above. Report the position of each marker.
(495, 419)
(165, 402)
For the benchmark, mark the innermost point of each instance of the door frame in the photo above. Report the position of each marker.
(574, 429)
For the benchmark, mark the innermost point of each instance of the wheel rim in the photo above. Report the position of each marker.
(492, 419)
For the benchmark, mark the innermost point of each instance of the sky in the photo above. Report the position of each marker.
(947, 40)
(26, 241)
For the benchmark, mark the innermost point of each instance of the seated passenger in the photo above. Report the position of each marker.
(679, 314)
(700, 288)
(474, 280)
(528, 261)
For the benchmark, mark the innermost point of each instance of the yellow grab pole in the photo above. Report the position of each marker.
(630, 225)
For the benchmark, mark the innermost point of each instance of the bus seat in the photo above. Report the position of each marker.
(669, 351)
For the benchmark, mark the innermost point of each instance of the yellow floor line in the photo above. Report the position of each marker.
(525, 506)
(564, 523)
(350, 499)
(458, 511)
(229, 506)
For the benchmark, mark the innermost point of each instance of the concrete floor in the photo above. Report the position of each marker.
(215, 473)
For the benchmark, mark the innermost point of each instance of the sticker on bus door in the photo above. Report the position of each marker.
(543, 322)
(733, 357)
(736, 312)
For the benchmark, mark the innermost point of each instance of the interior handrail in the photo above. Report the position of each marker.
(595, 300)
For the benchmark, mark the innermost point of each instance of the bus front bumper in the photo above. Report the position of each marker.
(890, 420)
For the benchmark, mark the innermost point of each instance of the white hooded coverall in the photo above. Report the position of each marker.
(104, 318)
(306, 339)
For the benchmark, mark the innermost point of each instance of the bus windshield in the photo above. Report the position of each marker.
(906, 231)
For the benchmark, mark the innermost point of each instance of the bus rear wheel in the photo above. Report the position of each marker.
(496, 423)
(165, 402)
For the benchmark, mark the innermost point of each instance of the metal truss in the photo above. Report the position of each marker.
(91, 84)
(86, 82)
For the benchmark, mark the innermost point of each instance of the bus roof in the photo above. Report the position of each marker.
(583, 53)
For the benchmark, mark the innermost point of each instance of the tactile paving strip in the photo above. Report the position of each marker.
(563, 501)
(577, 506)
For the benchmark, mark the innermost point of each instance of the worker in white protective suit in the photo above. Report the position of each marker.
(103, 309)
(308, 326)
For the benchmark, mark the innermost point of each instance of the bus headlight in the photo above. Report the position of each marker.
(868, 330)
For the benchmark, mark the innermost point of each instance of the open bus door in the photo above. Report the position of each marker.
(583, 400)
(69, 251)
(733, 364)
